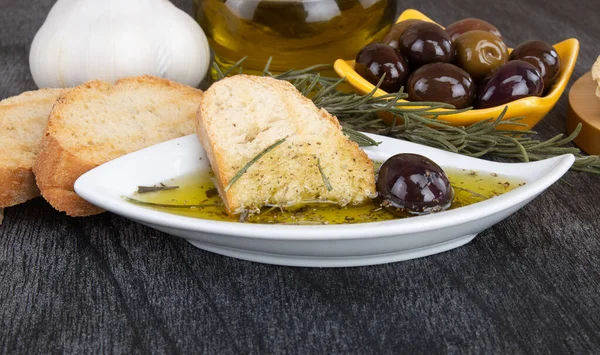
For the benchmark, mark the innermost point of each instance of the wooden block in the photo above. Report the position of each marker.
(584, 108)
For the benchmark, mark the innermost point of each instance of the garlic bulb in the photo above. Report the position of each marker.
(107, 40)
(596, 75)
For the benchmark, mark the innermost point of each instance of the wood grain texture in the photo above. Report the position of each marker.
(103, 284)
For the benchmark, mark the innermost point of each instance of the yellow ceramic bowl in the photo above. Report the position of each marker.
(532, 109)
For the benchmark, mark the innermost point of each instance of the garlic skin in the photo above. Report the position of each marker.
(82, 40)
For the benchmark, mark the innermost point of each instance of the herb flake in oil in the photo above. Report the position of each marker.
(160, 187)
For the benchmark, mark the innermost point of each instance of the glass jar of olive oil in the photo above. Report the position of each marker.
(296, 33)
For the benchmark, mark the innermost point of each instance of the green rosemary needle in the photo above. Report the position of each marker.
(361, 139)
(251, 162)
(323, 176)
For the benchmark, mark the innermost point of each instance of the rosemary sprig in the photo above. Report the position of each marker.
(244, 216)
(251, 162)
(323, 176)
(162, 187)
(361, 139)
(470, 191)
(416, 122)
(490, 138)
(155, 204)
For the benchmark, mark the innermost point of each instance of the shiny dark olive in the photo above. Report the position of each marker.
(392, 38)
(479, 53)
(512, 81)
(413, 183)
(425, 42)
(470, 24)
(441, 82)
(542, 56)
(376, 59)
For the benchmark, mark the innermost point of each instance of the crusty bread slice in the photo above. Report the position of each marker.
(241, 116)
(97, 122)
(22, 122)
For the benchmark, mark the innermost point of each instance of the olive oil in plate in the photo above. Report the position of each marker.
(196, 196)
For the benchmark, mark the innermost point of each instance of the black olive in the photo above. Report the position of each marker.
(413, 183)
(392, 38)
(441, 82)
(542, 56)
(512, 81)
(458, 28)
(376, 59)
(425, 42)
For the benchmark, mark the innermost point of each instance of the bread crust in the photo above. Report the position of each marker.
(59, 164)
(17, 182)
(215, 158)
(18, 186)
(55, 172)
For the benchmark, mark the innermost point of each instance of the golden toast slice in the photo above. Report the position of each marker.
(303, 155)
(97, 122)
(22, 122)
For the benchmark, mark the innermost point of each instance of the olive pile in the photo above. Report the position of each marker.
(467, 64)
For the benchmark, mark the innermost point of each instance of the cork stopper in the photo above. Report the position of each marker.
(584, 108)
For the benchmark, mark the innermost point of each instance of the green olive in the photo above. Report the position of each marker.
(480, 52)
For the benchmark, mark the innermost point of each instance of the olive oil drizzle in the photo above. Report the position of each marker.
(167, 205)
(193, 199)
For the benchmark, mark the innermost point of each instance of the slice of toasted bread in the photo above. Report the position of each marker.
(241, 116)
(22, 122)
(97, 122)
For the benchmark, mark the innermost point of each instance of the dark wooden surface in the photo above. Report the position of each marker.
(103, 284)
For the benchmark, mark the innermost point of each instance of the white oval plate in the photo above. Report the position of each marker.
(322, 245)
